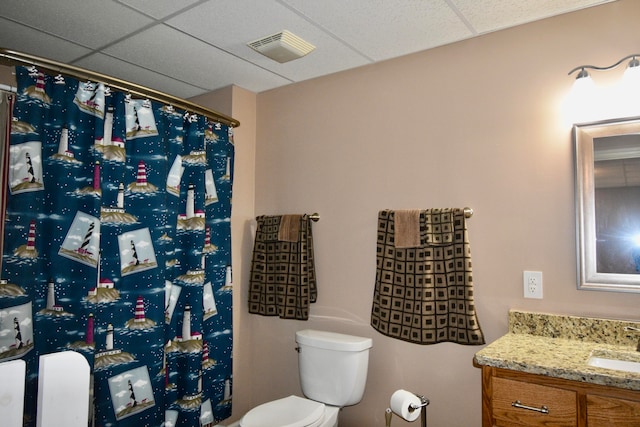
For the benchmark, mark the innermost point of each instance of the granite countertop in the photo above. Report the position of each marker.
(559, 346)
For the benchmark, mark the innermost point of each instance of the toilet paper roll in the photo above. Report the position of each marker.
(401, 404)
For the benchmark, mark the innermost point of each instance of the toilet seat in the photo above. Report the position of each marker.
(292, 411)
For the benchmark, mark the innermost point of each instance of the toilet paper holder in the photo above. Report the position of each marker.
(424, 402)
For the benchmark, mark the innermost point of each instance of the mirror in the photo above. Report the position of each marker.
(607, 165)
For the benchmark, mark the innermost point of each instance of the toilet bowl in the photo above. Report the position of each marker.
(292, 411)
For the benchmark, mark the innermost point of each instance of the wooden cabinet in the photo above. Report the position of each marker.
(522, 403)
(604, 411)
(517, 399)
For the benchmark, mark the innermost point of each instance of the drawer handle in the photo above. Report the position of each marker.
(542, 410)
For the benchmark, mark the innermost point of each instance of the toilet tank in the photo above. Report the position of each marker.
(333, 367)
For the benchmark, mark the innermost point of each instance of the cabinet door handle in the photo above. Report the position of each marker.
(543, 409)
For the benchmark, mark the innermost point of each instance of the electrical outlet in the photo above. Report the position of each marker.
(532, 284)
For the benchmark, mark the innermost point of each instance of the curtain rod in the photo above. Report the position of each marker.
(11, 57)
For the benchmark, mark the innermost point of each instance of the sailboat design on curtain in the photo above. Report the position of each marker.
(115, 249)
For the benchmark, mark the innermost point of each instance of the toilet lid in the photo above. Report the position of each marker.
(292, 411)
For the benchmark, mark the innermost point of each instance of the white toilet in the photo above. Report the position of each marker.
(333, 373)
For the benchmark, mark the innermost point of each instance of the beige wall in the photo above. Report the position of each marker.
(6, 76)
(478, 123)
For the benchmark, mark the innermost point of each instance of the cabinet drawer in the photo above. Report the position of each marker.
(561, 404)
(612, 412)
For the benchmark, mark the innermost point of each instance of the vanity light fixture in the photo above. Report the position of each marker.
(591, 102)
(633, 69)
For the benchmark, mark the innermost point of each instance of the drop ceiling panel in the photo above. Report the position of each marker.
(142, 76)
(191, 60)
(159, 9)
(17, 37)
(389, 28)
(195, 46)
(492, 15)
(231, 24)
(91, 23)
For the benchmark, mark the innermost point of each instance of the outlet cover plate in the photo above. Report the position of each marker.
(532, 282)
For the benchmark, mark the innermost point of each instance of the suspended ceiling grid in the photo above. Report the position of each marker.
(190, 47)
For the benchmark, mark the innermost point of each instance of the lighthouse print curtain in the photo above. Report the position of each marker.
(117, 246)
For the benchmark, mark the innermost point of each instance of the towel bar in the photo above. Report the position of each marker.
(315, 217)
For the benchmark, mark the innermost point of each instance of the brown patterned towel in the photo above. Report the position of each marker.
(283, 278)
(424, 295)
(289, 228)
(407, 228)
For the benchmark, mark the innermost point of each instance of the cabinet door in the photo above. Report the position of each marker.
(612, 412)
(525, 404)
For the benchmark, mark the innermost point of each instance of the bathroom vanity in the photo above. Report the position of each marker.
(515, 398)
(561, 371)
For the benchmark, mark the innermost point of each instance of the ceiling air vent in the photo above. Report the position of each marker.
(282, 47)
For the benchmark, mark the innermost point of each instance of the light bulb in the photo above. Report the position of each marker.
(631, 77)
(583, 83)
(583, 100)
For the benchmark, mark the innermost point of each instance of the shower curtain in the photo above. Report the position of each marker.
(117, 245)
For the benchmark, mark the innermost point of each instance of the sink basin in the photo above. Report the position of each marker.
(611, 362)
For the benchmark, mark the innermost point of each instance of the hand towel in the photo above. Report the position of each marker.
(407, 228)
(289, 228)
